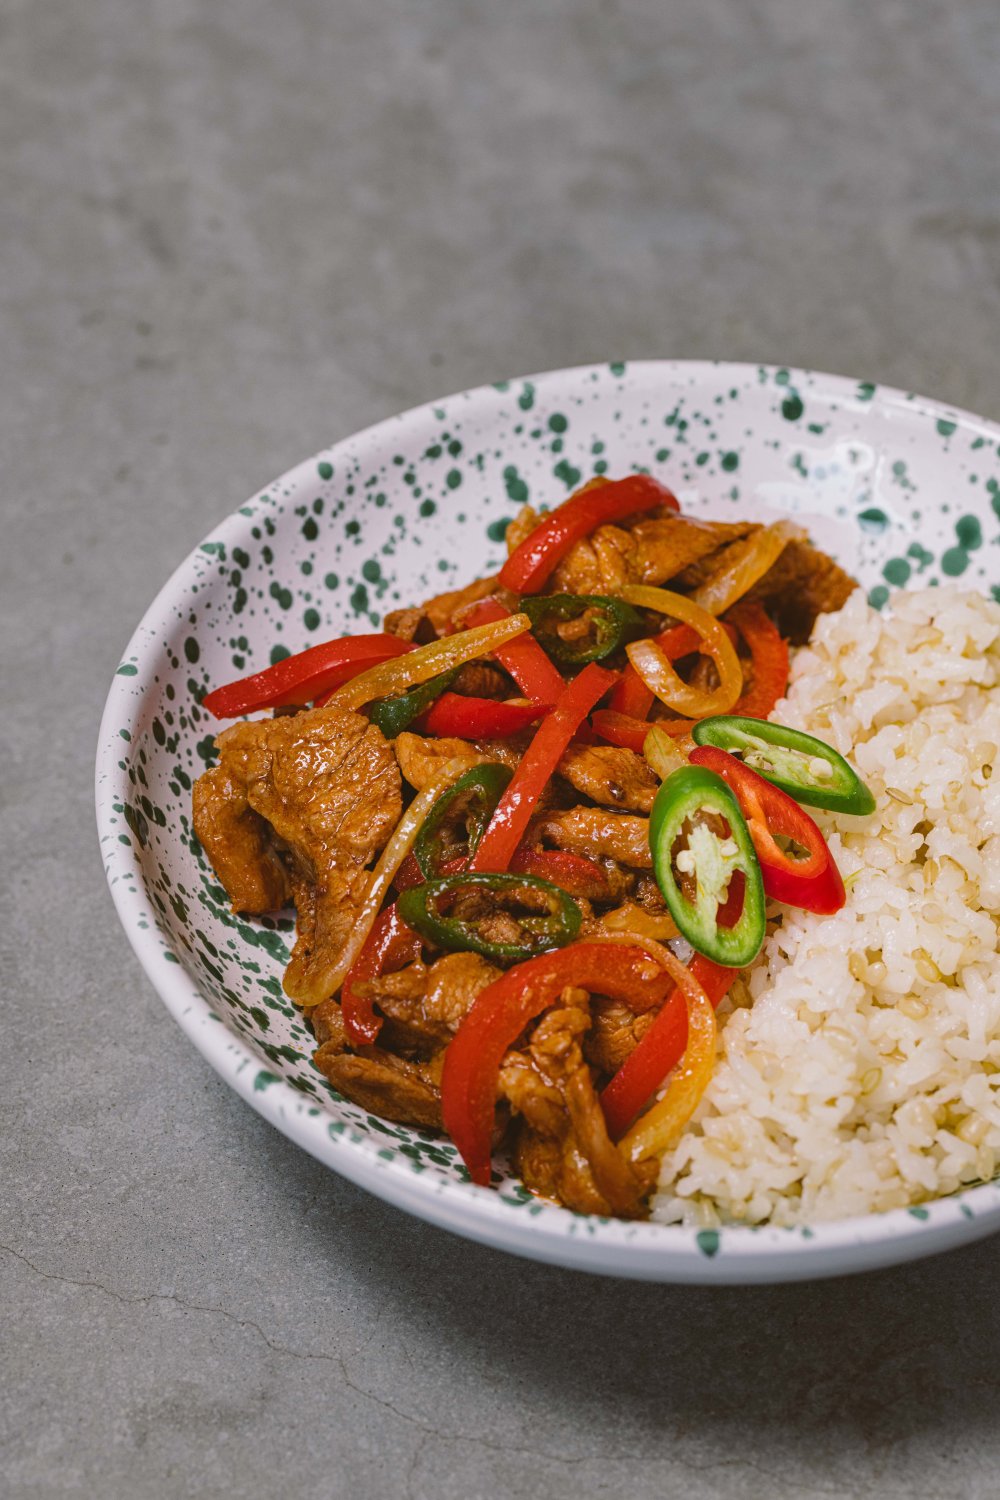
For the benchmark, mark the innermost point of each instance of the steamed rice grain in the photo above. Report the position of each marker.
(859, 1059)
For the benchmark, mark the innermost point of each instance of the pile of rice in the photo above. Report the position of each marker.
(859, 1059)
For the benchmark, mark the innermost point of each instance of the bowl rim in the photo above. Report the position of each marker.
(647, 1250)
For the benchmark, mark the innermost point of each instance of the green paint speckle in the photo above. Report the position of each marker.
(359, 599)
(263, 1080)
(557, 422)
(332, 581)
(324, 470)
(517, 490)
(126, 670)
(310, 530)
(792, 408)
(730, 461)
(565, 471)
(283, 596)
(707, 1241)
(278, 653)
(311, 619)
(526, 399)
(917, 1212)
(427, 507)
(191, 650)
(954, 561)
(617, 367)
(896, 571)
(969, 532)
(371, 571)
(497, 530)
(878, 596)
(945, 428)
(873, 519)
(866, 390)
(453, 478)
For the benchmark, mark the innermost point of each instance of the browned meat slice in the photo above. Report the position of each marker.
(802, 584)
(562, 1148)
(384, 1085)
(410, 625)
(599, 834)
(421, 760)
(423, 1006)
(610, 775)
(652, 551)
(375, 1078)
(615, 1033)
(630, 917)
(481, 679)
(327, 784)
(443, 607)
(237, 841)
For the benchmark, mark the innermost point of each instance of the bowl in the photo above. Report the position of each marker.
(901, 490)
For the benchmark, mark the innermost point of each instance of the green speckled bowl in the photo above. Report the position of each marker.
(900, 489)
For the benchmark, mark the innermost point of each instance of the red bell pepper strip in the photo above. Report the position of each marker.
(537, 765)
(305, 677)
(532, 563)
(500, 1013)
(813, 883)
(522, 657)
(661, 1049)
(768, 659)
(571, 872)
(477, 718)
(620, 729)
(390, 944)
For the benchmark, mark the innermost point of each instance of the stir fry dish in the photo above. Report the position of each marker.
(532, 827)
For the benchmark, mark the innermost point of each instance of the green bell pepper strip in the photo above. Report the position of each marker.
(612, 623)
(805, 767)
(473, 800)
(393, 715)
(420, 909)
(695, 879)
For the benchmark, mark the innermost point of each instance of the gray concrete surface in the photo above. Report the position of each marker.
(233, 232)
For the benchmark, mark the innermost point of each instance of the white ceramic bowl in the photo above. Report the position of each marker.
(900, 489)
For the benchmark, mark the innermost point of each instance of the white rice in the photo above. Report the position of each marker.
(859, 1059)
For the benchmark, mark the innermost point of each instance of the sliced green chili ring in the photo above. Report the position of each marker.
(471, 802)
(420, 908)
(805, 767)
(612, 624)
(710, 860)
(393, 715)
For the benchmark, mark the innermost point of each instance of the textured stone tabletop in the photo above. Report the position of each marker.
(234, 232)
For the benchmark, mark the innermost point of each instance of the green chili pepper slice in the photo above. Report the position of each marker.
(555, 926)
(699, 842)
(393, 715)
(604, 625)
(805, 767)
(459, 818)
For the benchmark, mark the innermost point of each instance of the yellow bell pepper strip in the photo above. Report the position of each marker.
(391, 858)
(504, 1008)
(305, 677)
(660, 753)
(394, 677)
(531, 564)
(660, 1049)
(652, 665)
(659, 1127)
(744, 563)
(537, 765)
